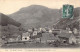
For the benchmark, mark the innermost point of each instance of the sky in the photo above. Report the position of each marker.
(11, 6)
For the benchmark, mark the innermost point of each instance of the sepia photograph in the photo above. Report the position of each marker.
(39, 24)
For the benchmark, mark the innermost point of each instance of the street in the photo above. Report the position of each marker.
(37, 45)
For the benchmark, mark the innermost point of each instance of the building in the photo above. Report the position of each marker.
(26, 36)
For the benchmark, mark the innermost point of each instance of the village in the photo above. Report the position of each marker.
(50, 36)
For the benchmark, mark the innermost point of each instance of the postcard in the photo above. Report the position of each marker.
(39, 25)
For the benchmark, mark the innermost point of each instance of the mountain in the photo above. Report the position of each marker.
(37, 15)
(67, 22)
(5, 20)
(77, 12)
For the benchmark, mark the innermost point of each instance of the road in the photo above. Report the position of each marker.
(37, 45)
